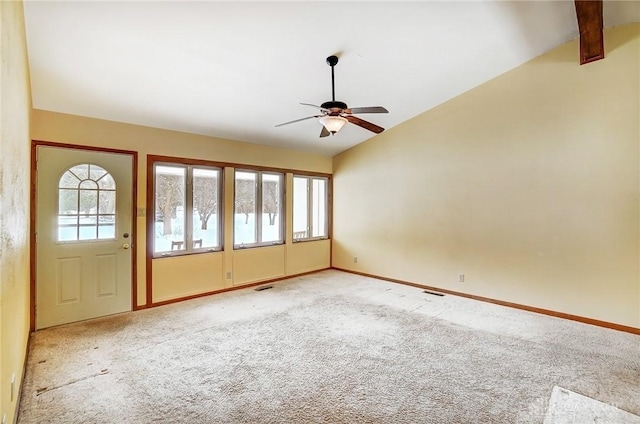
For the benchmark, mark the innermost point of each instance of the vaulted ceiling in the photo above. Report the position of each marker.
(236, 69)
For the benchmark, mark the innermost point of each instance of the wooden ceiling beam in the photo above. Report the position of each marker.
(590, 24)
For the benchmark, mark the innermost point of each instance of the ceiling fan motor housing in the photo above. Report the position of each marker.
(334, 105)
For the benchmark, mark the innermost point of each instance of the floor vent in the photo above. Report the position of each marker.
(263, 288)
(433, 293)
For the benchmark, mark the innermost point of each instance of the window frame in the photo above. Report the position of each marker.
(189, 167)
(78, 215)
(327, 207)
(258, 190)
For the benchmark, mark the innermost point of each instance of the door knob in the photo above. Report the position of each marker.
(125, 246)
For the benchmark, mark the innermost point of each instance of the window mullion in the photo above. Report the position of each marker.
(258, 207)
(220, 211)
(309, 207)
(188, 210)
(97, 207)
(282, 208)
(78, 214)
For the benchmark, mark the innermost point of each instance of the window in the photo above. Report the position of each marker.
(187, 208)
(86, 204)
(310, 208)
(258, 208)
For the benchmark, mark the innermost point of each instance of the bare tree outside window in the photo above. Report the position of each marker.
(271, 198)
(170, 189)
(205, 194)
(245, 200)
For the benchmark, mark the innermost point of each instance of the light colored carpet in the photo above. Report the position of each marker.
(329, 347)
(567, 407)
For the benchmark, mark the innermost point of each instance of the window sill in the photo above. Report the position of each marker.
(253, 246)
(304, 240)
(175, 253)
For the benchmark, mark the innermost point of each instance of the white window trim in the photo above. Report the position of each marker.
(309, 230)
(258, 209)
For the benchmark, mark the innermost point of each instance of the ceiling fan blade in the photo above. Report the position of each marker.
(364, 124)
(370, 109)
(316, 106)
(298, 120)
(325, 132)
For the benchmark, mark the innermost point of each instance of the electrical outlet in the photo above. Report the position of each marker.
(228, 275)
(355, 259)
(13, 386)
(461, 278)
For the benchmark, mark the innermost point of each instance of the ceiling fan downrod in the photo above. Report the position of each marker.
(333, 104)
(333, 61)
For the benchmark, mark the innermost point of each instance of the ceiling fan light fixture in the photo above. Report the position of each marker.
(334, 114)
(333, 124)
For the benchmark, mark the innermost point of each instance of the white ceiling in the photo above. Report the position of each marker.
(236, 69)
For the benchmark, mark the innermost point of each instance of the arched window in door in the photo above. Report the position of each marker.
(86, 204)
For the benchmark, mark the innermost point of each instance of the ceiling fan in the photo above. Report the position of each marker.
(334, 115)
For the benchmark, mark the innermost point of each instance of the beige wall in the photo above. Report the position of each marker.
(207, 272)
(15, 104)
(527, 184)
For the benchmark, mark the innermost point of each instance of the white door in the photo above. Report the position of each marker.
(83, 234)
